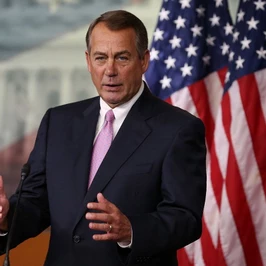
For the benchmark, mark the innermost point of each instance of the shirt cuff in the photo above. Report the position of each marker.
(2, 233)
(126, 244)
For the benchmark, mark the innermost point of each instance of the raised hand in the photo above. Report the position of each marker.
(4, 206)
(110, 220)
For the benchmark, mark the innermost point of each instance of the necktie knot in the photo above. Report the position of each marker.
(109, 116)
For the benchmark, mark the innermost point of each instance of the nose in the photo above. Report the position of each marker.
(111, 69)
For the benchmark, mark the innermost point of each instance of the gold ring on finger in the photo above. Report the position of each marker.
(110, 228)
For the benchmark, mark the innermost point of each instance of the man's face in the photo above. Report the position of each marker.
(115, 66)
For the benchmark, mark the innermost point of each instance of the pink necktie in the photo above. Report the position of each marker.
(102, 144)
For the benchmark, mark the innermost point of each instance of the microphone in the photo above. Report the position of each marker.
(24, 173)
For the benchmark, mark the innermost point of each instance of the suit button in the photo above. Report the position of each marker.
(76, 239)
(139, 260)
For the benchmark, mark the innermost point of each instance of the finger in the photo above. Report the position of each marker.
(101, 217)
(104, 237)
(108, 228)
(102, 199)
(103, 207)
(103, 204)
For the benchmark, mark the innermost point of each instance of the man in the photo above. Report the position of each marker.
(145, 199)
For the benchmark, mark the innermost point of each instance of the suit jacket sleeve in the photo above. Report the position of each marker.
(177, 219)
(33, 211)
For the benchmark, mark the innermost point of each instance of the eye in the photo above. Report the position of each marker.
(100, 58)
(122, 58)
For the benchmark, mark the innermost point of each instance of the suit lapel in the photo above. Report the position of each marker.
(82, 133)
(132, 133)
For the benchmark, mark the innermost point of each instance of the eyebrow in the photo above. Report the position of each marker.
(116, 54)
(122, 52)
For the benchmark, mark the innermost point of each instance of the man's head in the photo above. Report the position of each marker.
(117, 55)
(120, 20)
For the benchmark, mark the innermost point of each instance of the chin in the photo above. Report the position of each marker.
(111, 101)
(111, 98)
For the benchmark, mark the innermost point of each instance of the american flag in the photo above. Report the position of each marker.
(203, 63)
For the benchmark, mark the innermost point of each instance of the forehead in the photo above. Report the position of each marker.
(103, 37)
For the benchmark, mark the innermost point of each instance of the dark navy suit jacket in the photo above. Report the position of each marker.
(154, 172)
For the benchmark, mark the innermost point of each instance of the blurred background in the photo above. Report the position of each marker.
(42, 64)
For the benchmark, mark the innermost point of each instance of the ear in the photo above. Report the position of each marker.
(88, 60)
(145, 61)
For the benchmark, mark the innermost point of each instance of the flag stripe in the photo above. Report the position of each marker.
(211, 212)
(209, 250)
(248, 166)
(214, 83)
(220, 147)
(216, 176)
(236, 194)
(198, 258)
(168, 100)
(261, 81)
(220, 255)
(200, 99)
(229, 237)
(222, 74)
(182, 98)
(182, 256)
(190, 251)
(245, 226)
(256, 121)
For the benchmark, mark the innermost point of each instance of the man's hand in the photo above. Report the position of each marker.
(4, 206)
(111, 220)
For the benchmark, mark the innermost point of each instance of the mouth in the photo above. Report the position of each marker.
(111, 86)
